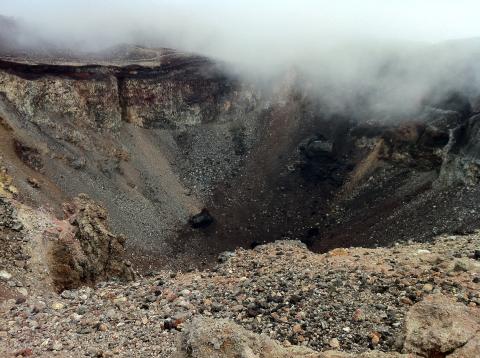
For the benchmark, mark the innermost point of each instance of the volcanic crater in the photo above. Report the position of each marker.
(190, 160)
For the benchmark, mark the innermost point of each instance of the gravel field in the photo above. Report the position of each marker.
(348, 299)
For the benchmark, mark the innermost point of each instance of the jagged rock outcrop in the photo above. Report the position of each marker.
(7, 189)
(82, 250)
(462, 155)
(63, 107)
(175, 102)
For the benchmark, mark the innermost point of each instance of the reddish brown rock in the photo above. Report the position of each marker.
(83, 251)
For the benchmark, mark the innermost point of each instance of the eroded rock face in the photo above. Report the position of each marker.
(462, 157)
(64, 107)
(82, 250)
(172, 102)
(437, 327)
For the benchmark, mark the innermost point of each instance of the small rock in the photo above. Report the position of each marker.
(225, 256)
(81, 310)
(476, 255)
(76, 317)
(78, 163)
(423, 252)
(17, 226)
(21, 299)
(358, 315)
(57, 346)
(297, 328)
(67, 294)
(5, 276)
(34, 183)
(334, 343)
(201, 220)
(237, 308)
(184, 304)
(23, 291)
(375, 338)
(460, 266)
(25, 352)
(185, 293)
(102, 327)
(38, 307)
(111, 314)
(20, 263)
(171, 296)
(57, 306)
(120, 299)
(427, 287)
(406, 301)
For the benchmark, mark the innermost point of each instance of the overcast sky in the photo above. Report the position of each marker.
(430, 20)
(344, 44)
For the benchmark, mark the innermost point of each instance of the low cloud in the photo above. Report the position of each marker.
(387, 56)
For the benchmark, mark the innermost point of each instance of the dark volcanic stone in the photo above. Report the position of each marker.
(476, 255)
(201, 220)
(318, 147)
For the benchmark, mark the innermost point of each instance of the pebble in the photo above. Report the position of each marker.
(23, 291)
(39, 307)
(423, 252)
(334, 343)
(121, 299)
(297, 328)
(67, 294)
(81, 310)
(57, 306)
(4, 275)
(428, 287)
(57, 346)
(406, 301)
(375, 338)
(102, 327)
(185, 293)
(460, 266)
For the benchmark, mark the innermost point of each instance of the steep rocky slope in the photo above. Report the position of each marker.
(117, 133)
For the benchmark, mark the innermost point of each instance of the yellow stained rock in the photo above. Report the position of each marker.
(339, 252)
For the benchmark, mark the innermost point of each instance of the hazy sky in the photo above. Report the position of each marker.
(345, 45)
(405, 19)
